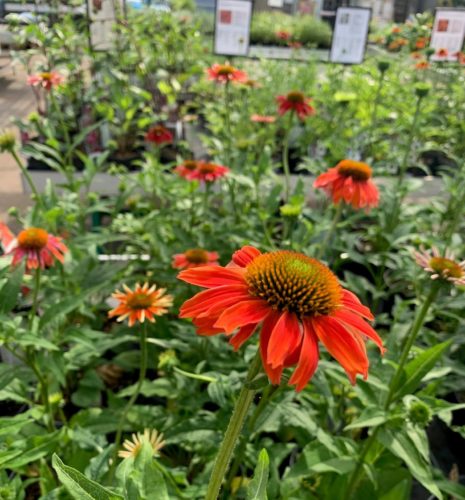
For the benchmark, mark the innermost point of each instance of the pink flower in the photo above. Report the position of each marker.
(295, 101)
(46, 80)
(262, 118)
(195, 257)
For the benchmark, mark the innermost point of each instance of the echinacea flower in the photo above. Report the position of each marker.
(443, 53)
(420, 43)
(295, 299)
(422, 64)
(295, 101)
(187, 168)
(195, 257)
(142, 303)
(46, 80)
(35, 245)
(208, 172)
(225, 73)
(460, 57)
(441, 267)
(395, 29)
(350, 181)
(262, 118)
(416, 55)
(133, 447)
(283, 35)
(158, 134)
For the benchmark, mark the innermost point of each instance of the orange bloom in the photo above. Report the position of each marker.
(46, 80)
(141, 304)
(187, 168)
(294, 45)
(35, 245)
(195, 257)
(422, 64)
(225, 73)
(442, 53)
(441, 267)
(420, 43)
(295, 101)
(350, 181)
(395, 29)
(416, 55)
(460, 57)
(283, 35)
(297, 301)
(262, 118)
(208, 172)
(402, 41)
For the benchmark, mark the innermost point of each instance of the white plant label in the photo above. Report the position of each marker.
(448, 33)
(232, 27)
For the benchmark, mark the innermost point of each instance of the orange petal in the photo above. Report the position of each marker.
(357, 323)
(212, 276)
(242, 335)
(243, 313)
(308, 360)
(284, 339)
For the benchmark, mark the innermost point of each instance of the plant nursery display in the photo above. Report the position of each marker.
(247, 278)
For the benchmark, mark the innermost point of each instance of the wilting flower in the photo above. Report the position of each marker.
(295, 101)
(195, 257)
(35, 245)
(143, 303)
(187, 168)
(133, 447)
(7, 141)
(208, 172)
(225, 73)
(262, 118)
(283, 35)
(442, 53)
(158, 134)
(46, 80)
(297, 301)
(441, 267)
(350, 181)
(422, 64)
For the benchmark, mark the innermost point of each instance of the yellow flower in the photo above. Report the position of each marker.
(132, 447)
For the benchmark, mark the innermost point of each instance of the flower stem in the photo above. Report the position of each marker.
(132, 400)
(287, 172)
(330, 232)
(233, 431)
(374, 114)
(26, 175)
(406, 346)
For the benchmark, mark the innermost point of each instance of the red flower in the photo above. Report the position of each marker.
(158, 134)
(262, 118)
(420, 43)
(195, 257)
(460, 57)
(442, 53)
(208, 172)
(294, 45)
(295, 101)
(34, 244)
(225, 73)
(350, 181)
(422, 64)
(283, 35)
(187, 169)
(46, 80)
(297, 301)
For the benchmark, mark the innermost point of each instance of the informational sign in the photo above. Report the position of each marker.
(232, 27)
(448, 34)
(279, 4)
(103, 15)
(350, 35)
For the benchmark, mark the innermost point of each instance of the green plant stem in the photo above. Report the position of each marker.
(405, 350)
(233, 431)
(132, 400)
(374, 114)
(35, 295)
(287, 171)
(330, 232)
(68, 154)
(27, 176)
(227, 124)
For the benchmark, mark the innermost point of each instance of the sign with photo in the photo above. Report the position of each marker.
(448, 34)
(232, 27)
(350, 35)
(103, 15)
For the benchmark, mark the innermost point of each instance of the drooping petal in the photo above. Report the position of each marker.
(204, 326)
(243, 313)
(242, 335)
(212, 276)
(308, 360)
(274, 374)
(350, 301)
(245, 255)
(284, 338)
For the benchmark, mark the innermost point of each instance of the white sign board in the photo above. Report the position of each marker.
(350, 35)
(102, 18)
(448, 33)
(232, 27)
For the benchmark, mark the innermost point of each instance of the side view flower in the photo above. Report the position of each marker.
(262, 118)
(295, 101)
(35, 245)
(133, 446)
(225, 73)
(195, 257)
(297, 301)
(441, 267)
(144, 302)
(46, 80)
(158, 134)
(350, 181)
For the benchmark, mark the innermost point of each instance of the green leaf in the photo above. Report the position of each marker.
(419, 367)
(10, 291)
(256, 489)
(369, 417)
(33, 448)
(400, 444)
(79, 486)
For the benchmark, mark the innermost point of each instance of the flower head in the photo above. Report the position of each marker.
(46, 80)
(195, 257)
(444, 268)
(460, 57)
(420, 43)
(294, 45)
(283, 35)
(295, 101)
(442, 53)
(350, 181)
(422, 64)
(158, 134)
(225, 73)
(7, 141)
(297, 301)
(208, 172)
(416, 55)
(262, 118)
(35, 245)
(143, 303)
(187, 168)
(132, 447)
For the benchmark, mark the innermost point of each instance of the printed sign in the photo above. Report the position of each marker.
(232, 27)
(448, 34)
(350, 35)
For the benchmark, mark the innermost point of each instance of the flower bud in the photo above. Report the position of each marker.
(383, 65)
(422, 89)
(7, 141)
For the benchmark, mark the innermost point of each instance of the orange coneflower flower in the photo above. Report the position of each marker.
(262, 118)
(297, 301)
(395, 29)
(187, 168)
(225, 73)
(416, 55)
(195, 257)
(441, 267)
(295, 101)
(350, 181)
(35, 245)
(46, 80)
(460, 57)
(422, 64)
(208, 172)
(143, 303)
(420, 43)
(283, 35)
(442, 53)
(132, 447)
(158, 134)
